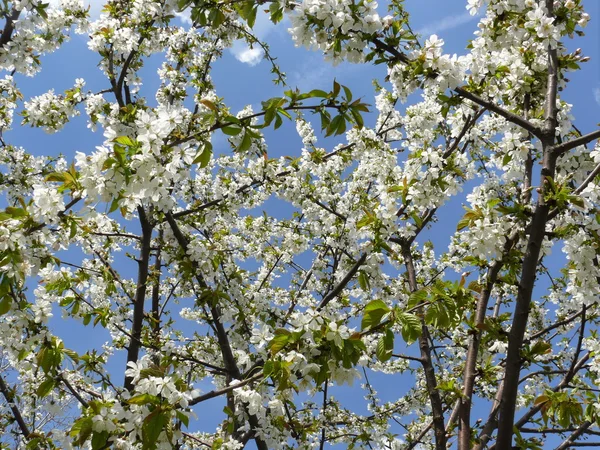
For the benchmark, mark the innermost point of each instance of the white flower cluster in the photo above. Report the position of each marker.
(336, 27)
(9, 95)
(34, 35)
(50, 111)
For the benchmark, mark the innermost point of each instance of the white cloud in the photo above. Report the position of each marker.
(597, 95)
(262, 28)
(245, 54)
(445, 24)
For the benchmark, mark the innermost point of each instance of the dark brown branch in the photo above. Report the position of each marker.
(225, 390)
(566, 321)
(10, 399)
(437, 409)
(490, 425)
(222, 338)
(323, 427)
(9, 27)
(555, 431)
(511, 117)
(583, 140)
(570, 441)
(133, 349)
(156, 291)
(226, 351)
(530, 261)
(73, 391)
(342, 284)
(470, 371)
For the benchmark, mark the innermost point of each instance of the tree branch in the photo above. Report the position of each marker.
(437, 409)
(560, 149)
(9, 27)
(10, 399)
(225, 390)
(342, 284)
(530, 261)
(140, 294)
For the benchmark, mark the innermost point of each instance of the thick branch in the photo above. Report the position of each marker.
(9, 27)
(470, 371)
(437, 408)
(566, 146)
(140, 294)
(222, 338)
(530, 261)
(511, 117)
(8, 395)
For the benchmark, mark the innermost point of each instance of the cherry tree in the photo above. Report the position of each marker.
(166, 246)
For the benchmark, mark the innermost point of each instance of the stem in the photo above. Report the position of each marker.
(10, 399)
(342, 284)
(530, 261)
(437, 409)
(9, 27)
(470, 372)
(133, 350)
(156, 292)
(222, 338)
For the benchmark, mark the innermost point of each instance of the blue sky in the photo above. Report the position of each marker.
(242, 78)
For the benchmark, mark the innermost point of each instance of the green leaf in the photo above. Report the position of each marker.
(348, 93)
(124, 140)
(183, 418)
(463, 223)
(144, 399)
(182, 4)
(363, 280)
(276, 12)
(210, 105)
(81, 430)
(358, 119)
(16, 212)
(373, 314)
(417, 298)
(216, 17)
(385, 346)
(45, 359)
(541, 348)
(227, 410)
(410, 326)
(99, 440)
(152, 427)
(231, 130)
(318, 93)
(41, 9)
(55, 176)
(438, 315)
(45, 387)
(336, 88)
(246, 142)
(278, 121)
(203, 157)
(337, 123)
(5, 303)
(114, 205)
(282, 337)
(268, 368)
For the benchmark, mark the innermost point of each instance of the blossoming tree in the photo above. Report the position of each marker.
(162, 242)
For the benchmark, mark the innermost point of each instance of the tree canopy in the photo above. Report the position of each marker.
(166, 256)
